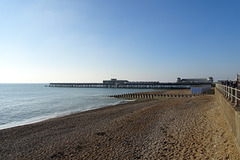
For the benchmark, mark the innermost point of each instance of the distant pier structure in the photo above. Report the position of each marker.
(195, 80)
(114, 83)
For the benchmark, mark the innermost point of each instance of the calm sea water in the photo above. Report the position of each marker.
(28, 103)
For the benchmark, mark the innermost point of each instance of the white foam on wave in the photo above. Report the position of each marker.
(54, 115)
(24, 122)
(64, 113)
(37, 119)
(124, 101)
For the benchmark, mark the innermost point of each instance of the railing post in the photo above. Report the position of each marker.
(236, 97)
(225, 91)
(222, 89)
(228, 93)
(231, 94)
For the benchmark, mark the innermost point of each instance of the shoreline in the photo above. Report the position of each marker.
(66, 113)
(166, 128)
(45, 118)
(125, 101)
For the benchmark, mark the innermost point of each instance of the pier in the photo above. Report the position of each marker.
(114, 83)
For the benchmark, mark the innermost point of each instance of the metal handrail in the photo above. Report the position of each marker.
(229, 92)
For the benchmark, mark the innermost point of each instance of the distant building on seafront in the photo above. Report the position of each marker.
(115, 81)
(195, 80)
(238, 78)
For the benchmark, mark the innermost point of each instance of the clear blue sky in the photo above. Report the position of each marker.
(91, 40)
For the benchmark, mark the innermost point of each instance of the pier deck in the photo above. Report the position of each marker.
(143, 85)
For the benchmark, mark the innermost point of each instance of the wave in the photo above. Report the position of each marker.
(124, 101)
(24, 122)
(56, 114)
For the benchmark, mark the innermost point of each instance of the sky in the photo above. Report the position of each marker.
(43, 41)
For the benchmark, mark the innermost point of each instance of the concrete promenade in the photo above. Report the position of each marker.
(231, 112)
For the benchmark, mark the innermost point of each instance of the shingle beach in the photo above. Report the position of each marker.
(165, 128)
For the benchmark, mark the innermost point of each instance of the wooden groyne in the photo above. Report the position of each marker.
(150, 96)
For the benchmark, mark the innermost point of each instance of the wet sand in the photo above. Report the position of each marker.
(167, 128)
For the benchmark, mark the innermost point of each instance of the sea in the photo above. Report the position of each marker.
(22, 104)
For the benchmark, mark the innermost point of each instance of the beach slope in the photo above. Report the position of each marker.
(167, 128)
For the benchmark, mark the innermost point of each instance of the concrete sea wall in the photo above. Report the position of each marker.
(232, 115)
